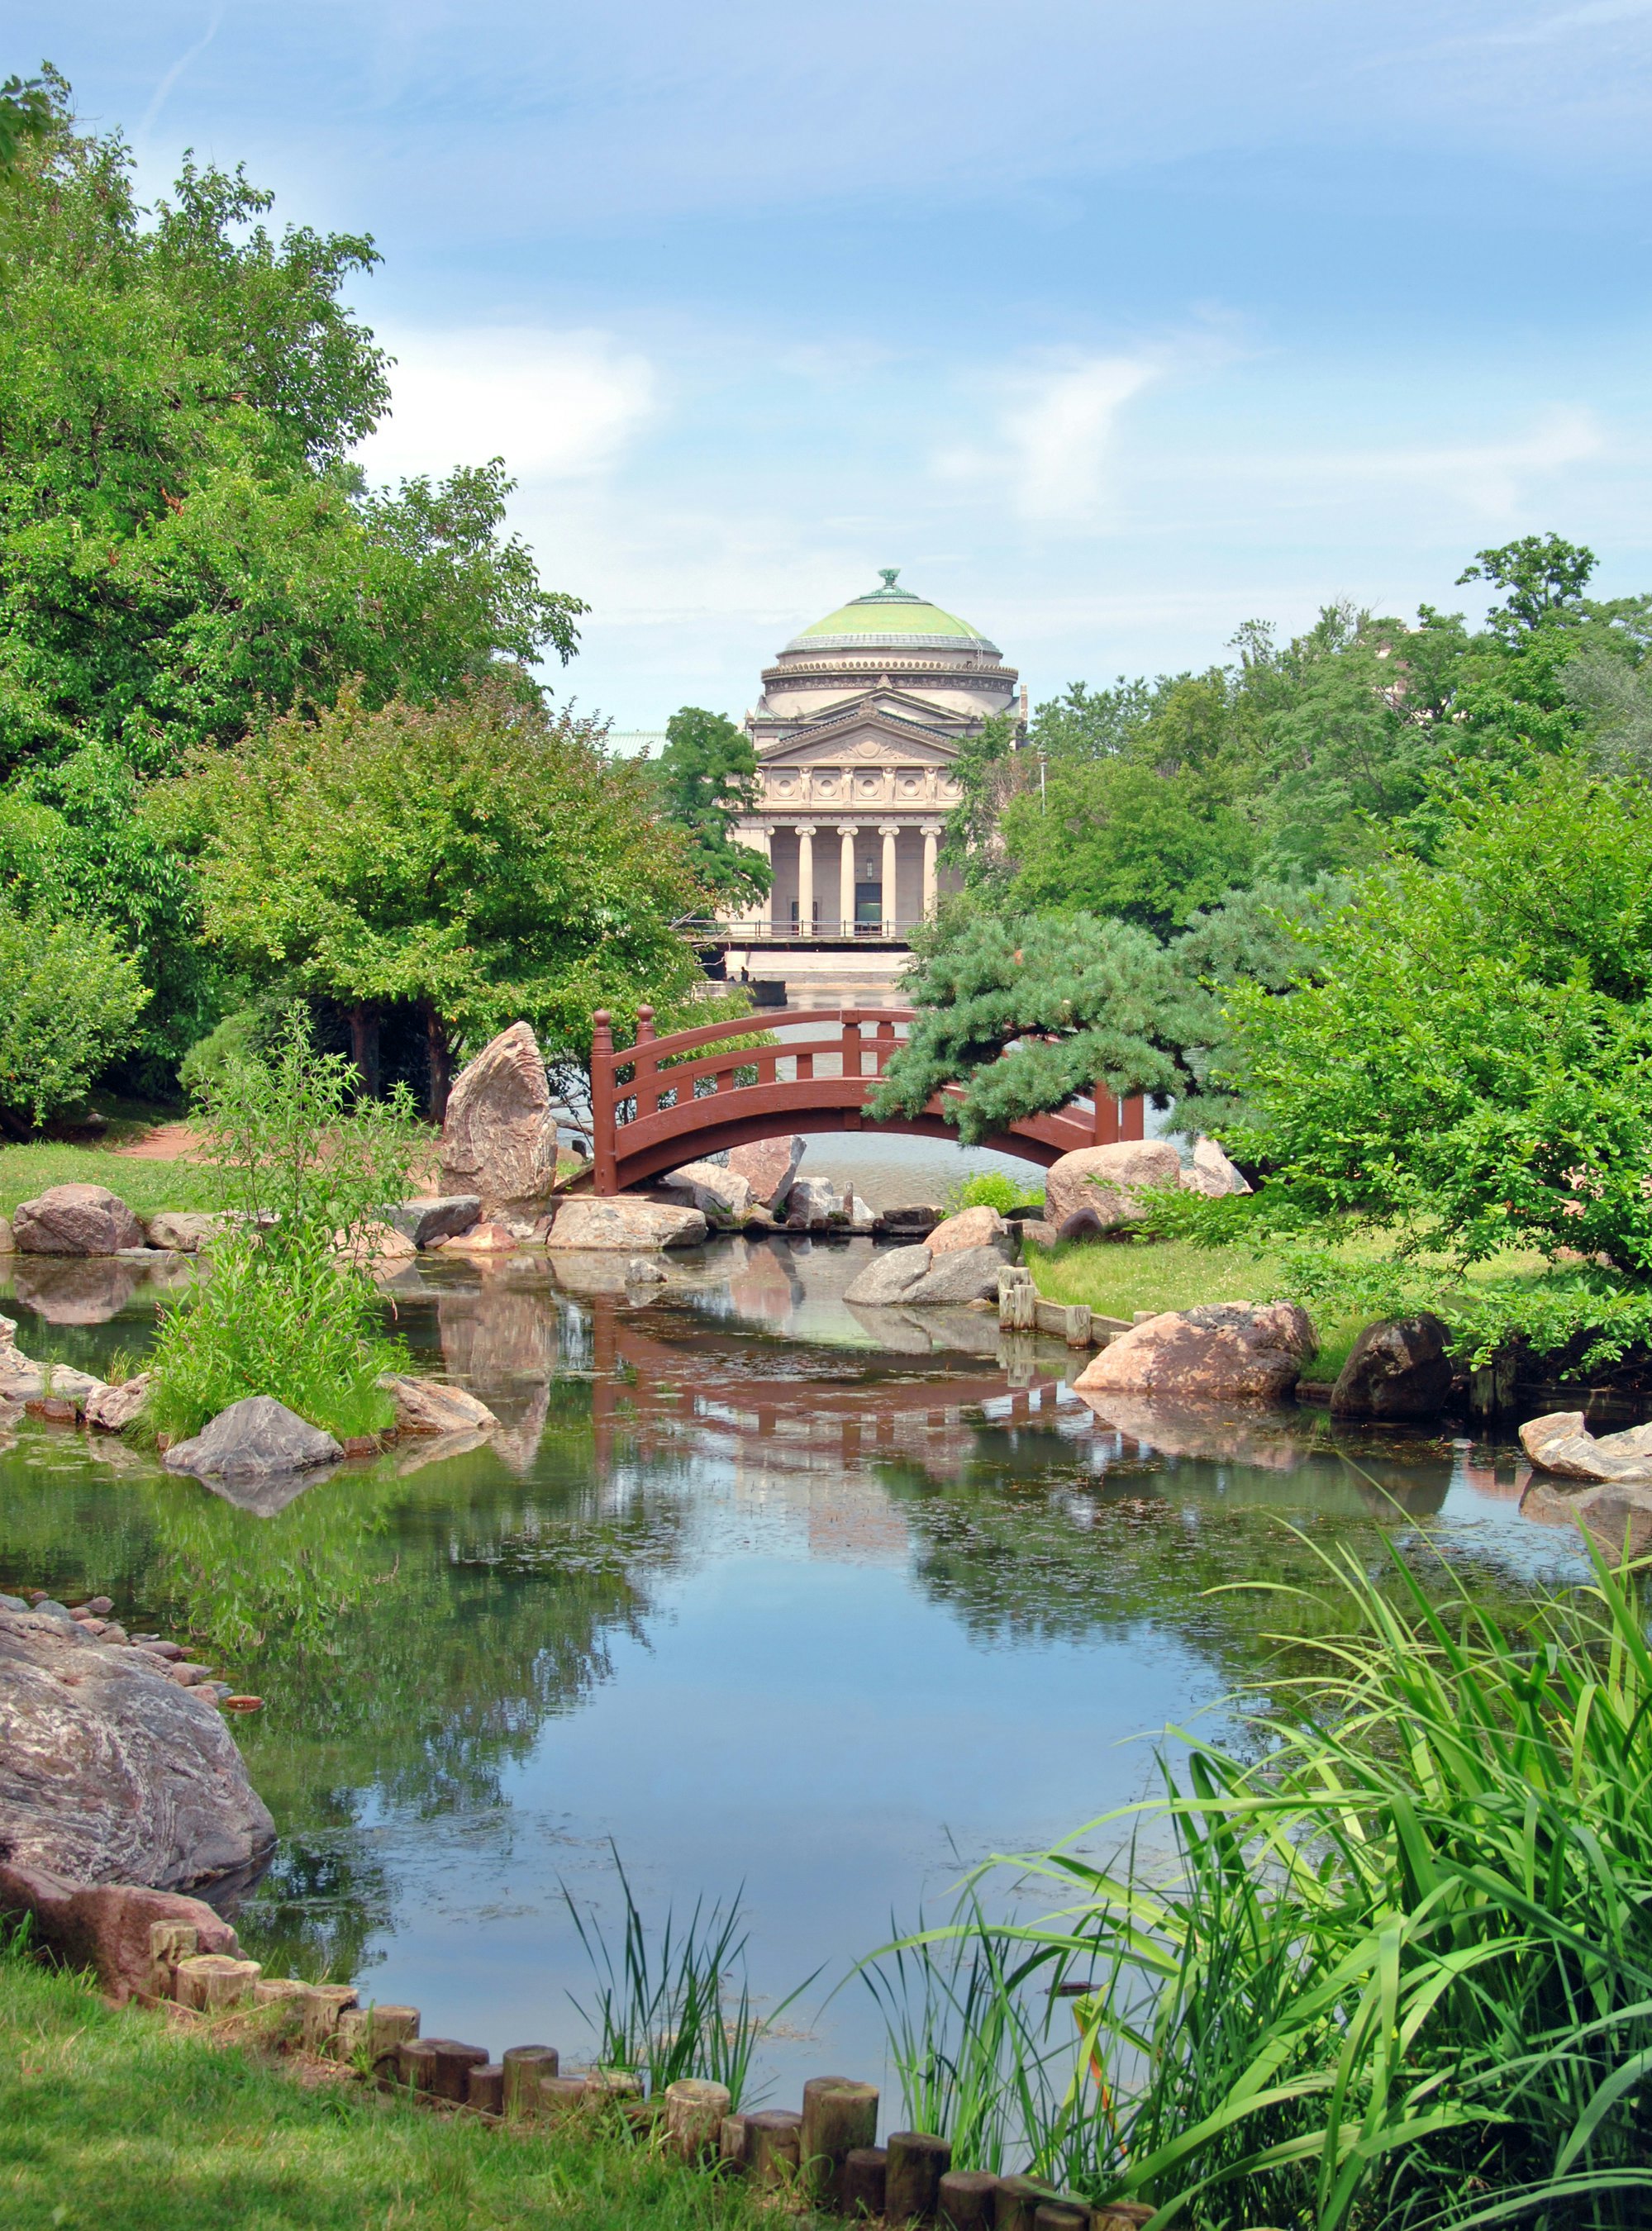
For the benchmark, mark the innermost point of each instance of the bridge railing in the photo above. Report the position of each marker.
(670, 1087)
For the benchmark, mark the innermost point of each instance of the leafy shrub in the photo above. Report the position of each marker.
(285, 1308)
(993, 1189)
(70, 1001)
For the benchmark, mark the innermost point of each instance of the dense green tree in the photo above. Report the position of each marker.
(69, 1000)
(482, 859)
(708, 777)
(1473, 1064)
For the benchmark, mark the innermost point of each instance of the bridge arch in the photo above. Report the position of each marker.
(667, 1100)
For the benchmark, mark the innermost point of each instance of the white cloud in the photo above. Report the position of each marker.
(1052, 444)
(555, 405)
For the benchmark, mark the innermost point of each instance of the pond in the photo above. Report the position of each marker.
(764, 1593)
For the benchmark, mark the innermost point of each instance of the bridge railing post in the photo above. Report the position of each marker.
(1135, 1116)
(606, 1167)
(884, 1047)
(851, 1045)
(645, 1078)
(1106, 1128)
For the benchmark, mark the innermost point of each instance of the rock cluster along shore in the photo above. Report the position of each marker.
(161, 1951)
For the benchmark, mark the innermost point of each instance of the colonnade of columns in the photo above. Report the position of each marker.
(813, 885)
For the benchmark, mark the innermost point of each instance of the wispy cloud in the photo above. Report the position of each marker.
(1051, 446)
(555, 405)
(158, 99)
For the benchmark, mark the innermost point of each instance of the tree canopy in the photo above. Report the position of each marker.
(480, 859)
(707, 778)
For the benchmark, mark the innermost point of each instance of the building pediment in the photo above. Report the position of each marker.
(864, 733)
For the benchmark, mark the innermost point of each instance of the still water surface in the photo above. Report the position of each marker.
(761, 1589)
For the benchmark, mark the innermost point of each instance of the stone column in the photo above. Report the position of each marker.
(846, 879)
(931, 833)
(756, 835)
(889, 831)
(805, 879)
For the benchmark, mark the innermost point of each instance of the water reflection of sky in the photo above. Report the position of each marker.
(765, 1590)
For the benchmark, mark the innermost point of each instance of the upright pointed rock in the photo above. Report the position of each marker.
(499, 1138)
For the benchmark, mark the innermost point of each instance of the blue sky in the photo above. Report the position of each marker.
(1114, 325)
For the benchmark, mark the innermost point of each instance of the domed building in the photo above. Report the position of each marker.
(857, 734)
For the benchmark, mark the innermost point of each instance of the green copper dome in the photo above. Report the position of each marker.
(893, 616)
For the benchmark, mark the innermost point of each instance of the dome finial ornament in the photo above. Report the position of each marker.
(888, 574)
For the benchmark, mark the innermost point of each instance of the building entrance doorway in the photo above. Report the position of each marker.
(869, 909)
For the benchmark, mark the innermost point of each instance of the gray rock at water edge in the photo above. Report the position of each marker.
(429, 1406)
(424, 1222)
(973, 1227)
(253, 1439)
(713, 1190)
(619, 1222)
(1561, 1443)
(888, 1278)
(75, 1220)
(1398, 1367)
(918, 1217)
(811, 1204)
(113, 1408)
(110, 1772)
(965, 1274)
(499, 1134)
(185, 1232)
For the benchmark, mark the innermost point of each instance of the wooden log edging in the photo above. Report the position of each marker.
(823, 2155)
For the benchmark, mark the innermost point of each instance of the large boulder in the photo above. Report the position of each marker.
(426, 1406)
(768, 1166)
(1098, 1188)
(889, 1276)
(964, 1274)
(184, 1230)
(1211, 1172)
(1223, 1352)
(424, 1222)
(110, 1771)
(1398, 1367)
(254, 1439)
(712, 1189)
(75, 1220)
(914, 1220)
(499, 1134)
(622, 1222)
(972, 1227)
(23, 1379)
(1561, 1443)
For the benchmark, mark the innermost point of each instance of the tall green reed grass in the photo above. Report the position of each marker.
(673, 2002)
(287, 1307)
(1385, 1961)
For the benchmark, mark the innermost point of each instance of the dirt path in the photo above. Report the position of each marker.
(163, 1143)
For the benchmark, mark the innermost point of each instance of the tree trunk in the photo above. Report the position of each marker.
(363, 1045)
(441, 1061)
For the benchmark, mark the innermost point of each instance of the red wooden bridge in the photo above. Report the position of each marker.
(664, 1102)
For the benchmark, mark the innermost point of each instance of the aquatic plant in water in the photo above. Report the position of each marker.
(1396, 1966)
(677, 2004)
(287, 1307)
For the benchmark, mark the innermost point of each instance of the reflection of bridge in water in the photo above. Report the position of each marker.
(639, 1378)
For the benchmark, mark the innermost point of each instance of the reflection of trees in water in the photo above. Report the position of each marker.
(1037, 1536)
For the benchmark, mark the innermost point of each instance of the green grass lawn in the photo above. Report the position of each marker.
(145, 1187)
(115, 2117)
